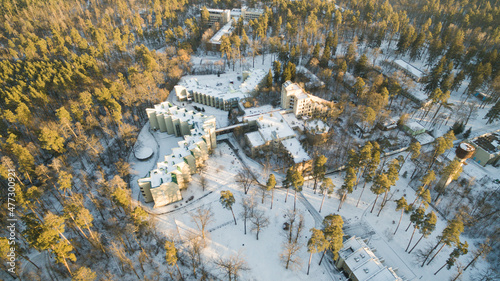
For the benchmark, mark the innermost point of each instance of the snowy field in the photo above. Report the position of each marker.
(262, 255)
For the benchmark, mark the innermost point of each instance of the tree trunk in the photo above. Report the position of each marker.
(411, 238)
(26, 258)
(245, 224)
(473, 260)
(436, 254)
(322, 201)
(416, 243)
(440, 268)
(364, 185)
(309, 265)
(399, 221)
(286, 194)
(295, 200)
(272, 198)
(408, 226)
(439, 242)
(374, 203)
(322, 256)
(176, 264)
(233, 216)
(383, 203)
(342, 201)
(440, 104)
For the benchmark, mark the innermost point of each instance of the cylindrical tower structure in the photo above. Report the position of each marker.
(463, 152)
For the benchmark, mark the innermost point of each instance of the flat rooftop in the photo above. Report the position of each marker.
(296, 150)
(227, 29)
(489, 142)
(410, 68)
(224, 86)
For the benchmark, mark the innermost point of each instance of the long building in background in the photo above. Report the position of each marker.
(163, 184)
(221, 95)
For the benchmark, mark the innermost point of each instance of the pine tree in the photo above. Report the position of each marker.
(493, 114)
(319, 169)
(326, 188)
(461, 249)
(416, 218)
(347, 187)
(450, 236)
(332, 228)
(403, 206)
(452, 171)
(483, 249)
(380, 184)
(441, 144)
(392, 176)
(227, 201)
(276, 70)
(84, 274)
(414, 151)
(270, 185)
(171, 256)
(426, 227)
(371, 168)
(269, 79)
(297, 181)
(361, 66)
(317, 243)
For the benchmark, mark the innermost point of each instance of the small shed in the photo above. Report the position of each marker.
(414, 128)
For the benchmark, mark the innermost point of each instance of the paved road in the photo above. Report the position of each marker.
(318, 219)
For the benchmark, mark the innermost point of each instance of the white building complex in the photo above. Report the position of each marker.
(359, 263)
(274, 133)
(223, 16)
(295, 99)
(226, 18)
(162, 185)
(219, 95)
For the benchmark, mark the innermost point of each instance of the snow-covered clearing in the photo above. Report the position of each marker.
(262, 255)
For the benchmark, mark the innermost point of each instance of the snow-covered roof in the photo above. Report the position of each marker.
(424, 138)
(414, 126)
(225, 86)
(255, 139)
(363, 263)
(296, 150)
(318, 126)
(252, 111)
(410, 68)
(272, 126)
(293, 121)
(489, 142)
(227, 29)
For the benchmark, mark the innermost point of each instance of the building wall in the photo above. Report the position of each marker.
(145, 187)
(481, 156)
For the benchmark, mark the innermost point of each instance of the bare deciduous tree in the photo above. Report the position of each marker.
(232, 266)
(202, 217)
(259, 221)
(248, 205)
(244, 178)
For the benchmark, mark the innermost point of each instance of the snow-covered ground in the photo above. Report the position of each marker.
(262, 255)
